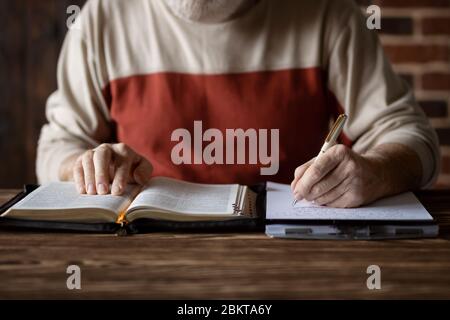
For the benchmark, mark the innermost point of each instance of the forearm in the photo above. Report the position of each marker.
(54, 149)
(399, 167)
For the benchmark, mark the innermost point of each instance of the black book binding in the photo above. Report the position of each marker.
(255, 224)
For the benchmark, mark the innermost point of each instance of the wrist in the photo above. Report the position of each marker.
(380, 166)
(398, 167)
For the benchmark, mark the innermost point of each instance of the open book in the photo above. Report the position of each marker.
(162, 199)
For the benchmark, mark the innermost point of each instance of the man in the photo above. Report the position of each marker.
(137, 70)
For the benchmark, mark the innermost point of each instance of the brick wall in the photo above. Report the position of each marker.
(416, 37)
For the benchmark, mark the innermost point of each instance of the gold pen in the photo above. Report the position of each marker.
(330, 141)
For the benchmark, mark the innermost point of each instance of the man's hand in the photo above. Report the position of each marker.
(342, 178)
(116, 164)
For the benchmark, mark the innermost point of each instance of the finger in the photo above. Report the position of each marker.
(352, 198)
(344, 201)
(334, 193)
(329, 182)
(102, 159)
(143, 171)
(298, 174)
(112, 169)
(123, 150)
(89, 172)
(121, 178)
(78, 177)
(320, 168)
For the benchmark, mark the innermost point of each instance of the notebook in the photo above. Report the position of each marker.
(163, 200)
(400, 216)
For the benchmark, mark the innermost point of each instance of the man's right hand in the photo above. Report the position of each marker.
(108, 164)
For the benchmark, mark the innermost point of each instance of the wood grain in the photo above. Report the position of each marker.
(224, 266)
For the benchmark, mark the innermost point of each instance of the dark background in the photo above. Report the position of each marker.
(31, 35)
(416, 35)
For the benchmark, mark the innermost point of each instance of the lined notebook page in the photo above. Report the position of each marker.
(398, 208)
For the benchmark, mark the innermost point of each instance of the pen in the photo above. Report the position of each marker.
(331, 138)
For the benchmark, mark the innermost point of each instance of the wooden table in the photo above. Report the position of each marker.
(204, 266)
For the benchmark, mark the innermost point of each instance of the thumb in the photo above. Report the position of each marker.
(299, 172)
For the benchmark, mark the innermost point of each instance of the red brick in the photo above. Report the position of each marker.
(436, 81)
(444, 136)
(397, 25)
(435, 108)
(417, 53)
(436, 26)
(442, 185)
(445, 165)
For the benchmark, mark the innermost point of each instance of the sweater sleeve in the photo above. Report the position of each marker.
(77, 114)
(380, 105)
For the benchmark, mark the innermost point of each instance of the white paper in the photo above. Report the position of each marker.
(184, 197)
(398, 208)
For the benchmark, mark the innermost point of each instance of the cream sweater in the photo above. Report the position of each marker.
(134, 72)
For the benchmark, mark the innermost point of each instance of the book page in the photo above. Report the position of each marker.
(64, 196)
(184, 197)
(397, 208)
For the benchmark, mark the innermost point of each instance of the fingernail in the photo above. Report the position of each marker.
(101, 188)
(90, 188)
(80, 190)
(116, 189)
(297, 196)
